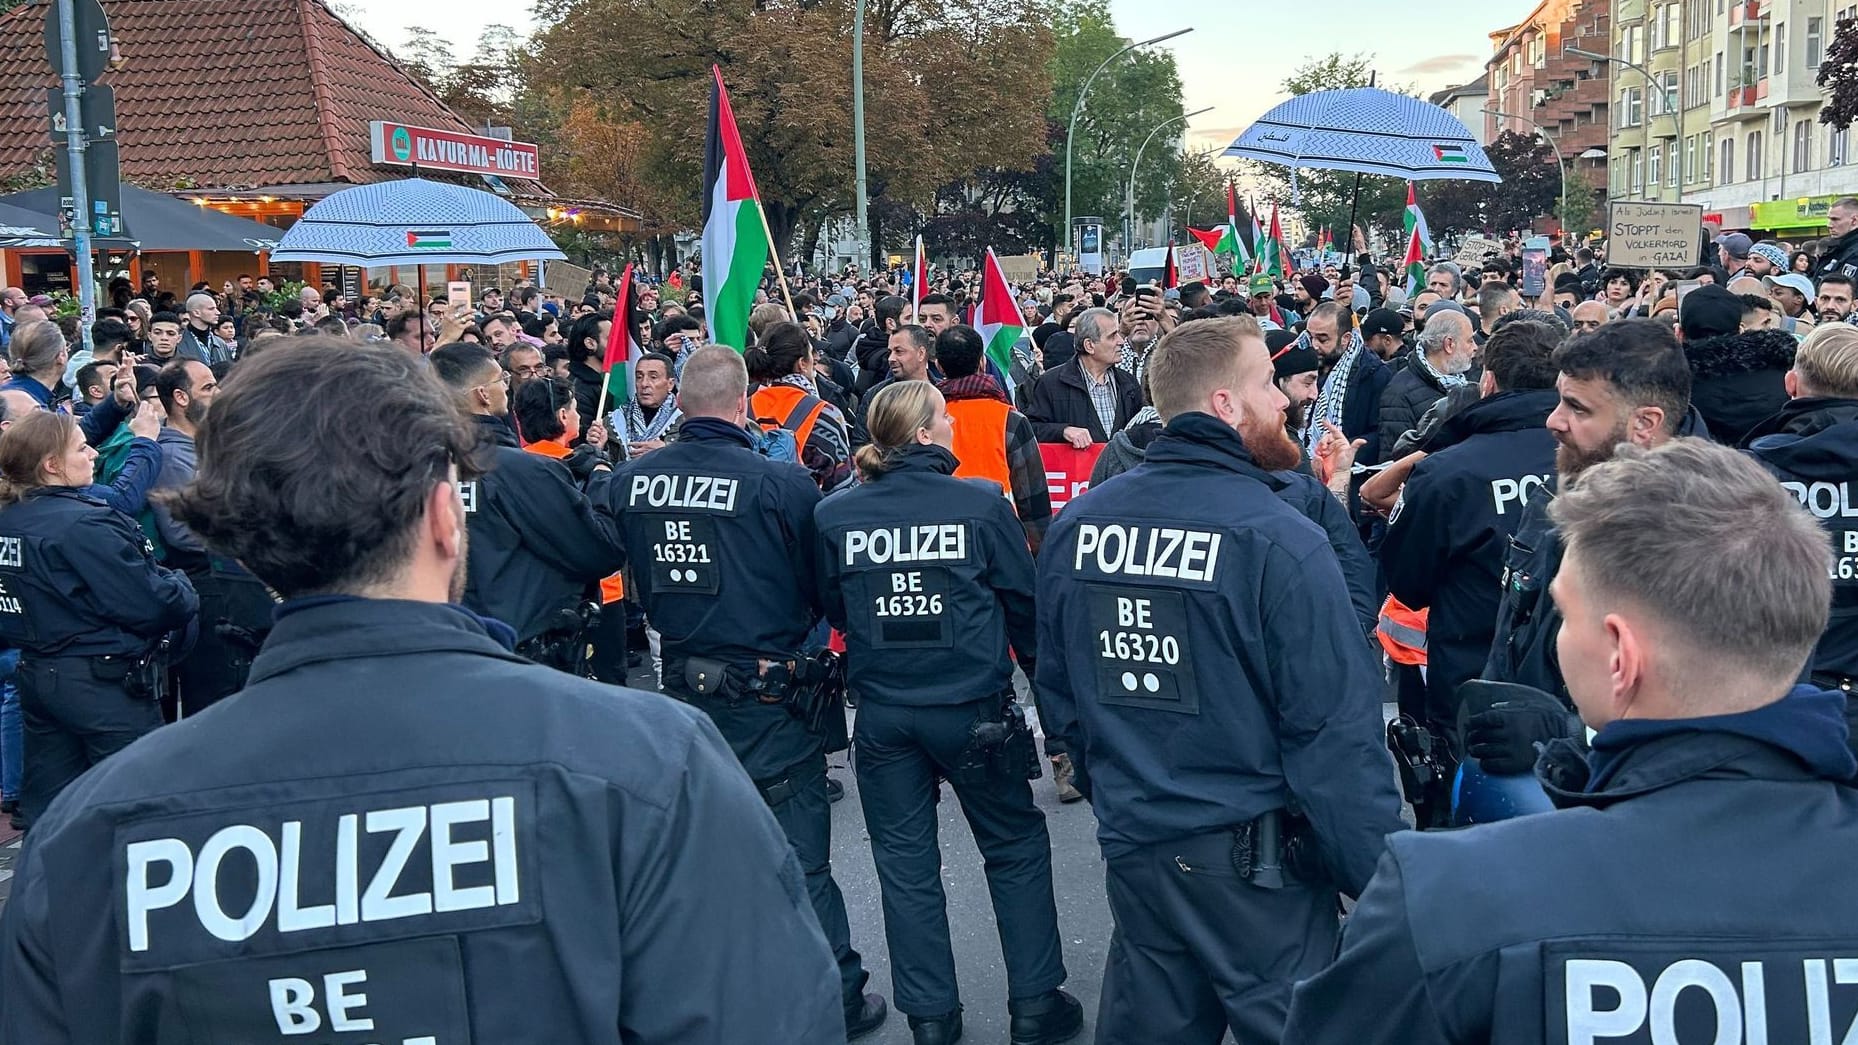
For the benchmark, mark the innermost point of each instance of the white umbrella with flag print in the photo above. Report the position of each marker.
(1368, 131)
(411, 222)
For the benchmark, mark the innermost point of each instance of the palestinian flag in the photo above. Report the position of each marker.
(1261, 247)
(735, 244)
(1449, 153)
(998, 319)
(1324, 241)
(1171, 276)
(622, 345)
(1230, 242)
(1281, 265)
(1212, 239)
(1414, 263)
(429, 239)
(1414, 221)
(919, 277)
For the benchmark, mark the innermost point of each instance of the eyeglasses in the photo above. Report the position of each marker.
(527, 372)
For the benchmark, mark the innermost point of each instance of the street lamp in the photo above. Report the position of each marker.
(863, 233)
(1672, 102)
(1561, 164)
(1078, 107)
(1129, 199)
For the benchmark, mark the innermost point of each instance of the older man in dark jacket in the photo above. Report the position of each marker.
(1089, 399)
(1446, 350)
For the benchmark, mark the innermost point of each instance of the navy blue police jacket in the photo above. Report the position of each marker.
(400, 827)
(1201, 659)
(537, 543)
(1811, 446)
(1445, 544)
(722, 544)
(930, 579)
(78, 578)
(1685, 891)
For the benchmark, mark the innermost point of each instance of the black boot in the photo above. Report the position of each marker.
(1048, 1019)
(866, 1017)
(936, 1030)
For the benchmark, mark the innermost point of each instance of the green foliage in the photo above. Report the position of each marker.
(1531, 188)
(1582, 211)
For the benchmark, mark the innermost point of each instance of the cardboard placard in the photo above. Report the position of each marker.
(1474, 250)
(1654, 235)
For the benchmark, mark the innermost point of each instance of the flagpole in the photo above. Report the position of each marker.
(622, 304)
(779, 271)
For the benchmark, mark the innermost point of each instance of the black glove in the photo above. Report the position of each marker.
(1504, 738)
(582, 461)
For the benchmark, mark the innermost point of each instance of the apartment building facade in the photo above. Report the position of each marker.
(1536, 85)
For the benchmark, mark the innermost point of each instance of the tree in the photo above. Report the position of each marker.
(1579, 214)
(1531, 184)
(1838, 76)
(1199, 193)
(1132, 96)
(951, 87)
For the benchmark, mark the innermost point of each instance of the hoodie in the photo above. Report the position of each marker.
(1737, 379)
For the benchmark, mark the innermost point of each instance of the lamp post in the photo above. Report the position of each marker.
(1078, 107)
(1129, 197)
(863, 233)
(1561, 163)
(1672, 102)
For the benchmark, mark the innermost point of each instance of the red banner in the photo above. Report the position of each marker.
(1067, 470)
(440, 150)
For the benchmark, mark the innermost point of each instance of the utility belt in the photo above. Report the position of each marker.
(811, 686)
(1427, 767)
(563, 646)
(143, 676)
(1276, 848)
(999, 747)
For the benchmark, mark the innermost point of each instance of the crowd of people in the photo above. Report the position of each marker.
(1593, 544)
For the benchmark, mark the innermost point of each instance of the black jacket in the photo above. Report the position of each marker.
(1736, 379)
(723, 543)
(1162, 621)
(1608, 907)
(1841, 257)
(537, 544)
(604, 871)
(1061, 400)
(587, 384)
(872, 350)
(930, 579)
(1811, 446)
(1361, 405)
(1408, 395)
(78, 578)
(1446, 539)
(1300, 490)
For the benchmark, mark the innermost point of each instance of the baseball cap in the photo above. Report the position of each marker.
(1792, 281)
(1775, 255)
(1709, 311)
(1736, 244)
(1382, 321)
(1261, 284)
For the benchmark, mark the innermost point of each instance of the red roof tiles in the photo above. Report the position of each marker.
(225, 94)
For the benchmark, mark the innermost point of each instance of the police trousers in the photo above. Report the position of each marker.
(800, 805)
(73, 720)
(898, 753)
(1198, 950)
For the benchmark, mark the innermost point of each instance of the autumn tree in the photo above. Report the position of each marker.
(1838, 75)
(951, 87)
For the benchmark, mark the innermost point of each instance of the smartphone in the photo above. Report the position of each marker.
(458, 292)
(1684, 287)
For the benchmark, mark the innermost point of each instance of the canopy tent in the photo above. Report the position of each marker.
(24, 229)
(156, 221)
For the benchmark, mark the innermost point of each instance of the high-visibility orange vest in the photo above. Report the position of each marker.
(980, 440)
(612, 589)
(1402, 632)
(775, 405)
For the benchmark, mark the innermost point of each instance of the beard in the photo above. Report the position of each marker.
(1271, 447)
(1571, 461)
(1295, 414)
(195, 412)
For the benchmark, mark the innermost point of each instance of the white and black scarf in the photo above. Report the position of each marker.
(1330, 401)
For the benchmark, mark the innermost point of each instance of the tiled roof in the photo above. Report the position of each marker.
(225, 94)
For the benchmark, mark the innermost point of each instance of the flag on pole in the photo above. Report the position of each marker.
(1260, 248)
(735, 242)
(1281, 265)
(622, 344)
(1415, 221)
(998, 320)
(1212, 239)
(1414, 263)
(919, 277)
(1171, 277)
(1230, 242)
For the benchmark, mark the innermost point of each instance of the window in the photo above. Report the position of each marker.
(1725, 172)
(1752, 160)
(1838, 146)
(1665, 27)
(1631, 107)
(1706, 157)
(1632, 44)
(1503, 77)
(1846, 12)
(1538, 51)
(1638, 171)
(1780, 48)
(1654, 166)
(1802, 147)
(1667, 84)
(1719, 75)
(1761, 62)
(1690, 159)
(1815, 40)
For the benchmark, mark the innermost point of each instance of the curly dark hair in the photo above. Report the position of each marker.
(317, 461)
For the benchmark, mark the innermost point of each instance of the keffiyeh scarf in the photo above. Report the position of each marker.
(1330, 400)
(1443, 380)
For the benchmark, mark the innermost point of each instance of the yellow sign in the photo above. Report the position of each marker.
(1786, 214)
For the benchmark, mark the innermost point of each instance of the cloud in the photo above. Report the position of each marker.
(1444, 63)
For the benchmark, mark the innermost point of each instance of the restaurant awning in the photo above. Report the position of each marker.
(157, 221)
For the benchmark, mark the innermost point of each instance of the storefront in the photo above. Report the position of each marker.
(1796, 219)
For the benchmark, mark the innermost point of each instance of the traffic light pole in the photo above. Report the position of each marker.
(76, 146)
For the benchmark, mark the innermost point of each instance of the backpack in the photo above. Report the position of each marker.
(776, 444)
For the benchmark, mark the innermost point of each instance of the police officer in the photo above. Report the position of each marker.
(1205, 667)
(1811, 445)
(724, 543)
(1692, 591)
(538, 546)
(84, 601)
(930, 579)
(400, 827)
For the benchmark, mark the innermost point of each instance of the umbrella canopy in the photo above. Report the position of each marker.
(1368, 131)
(22, 228)
(415, 222)
(156, 221)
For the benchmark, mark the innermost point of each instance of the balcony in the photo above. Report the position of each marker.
(1744, 97)
(1746, 12)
